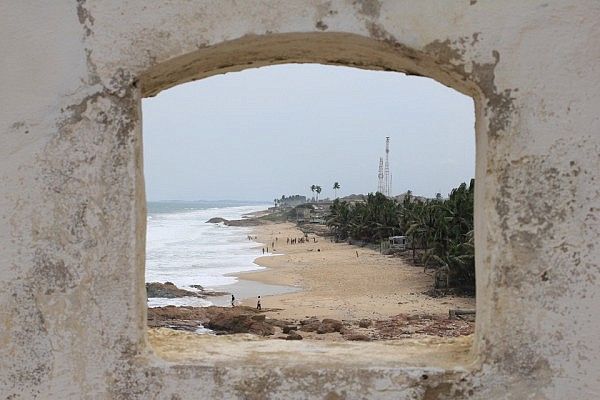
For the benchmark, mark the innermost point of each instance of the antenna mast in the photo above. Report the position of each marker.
(380, 188)
(387, 180)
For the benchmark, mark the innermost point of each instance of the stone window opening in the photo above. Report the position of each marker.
(444, 352)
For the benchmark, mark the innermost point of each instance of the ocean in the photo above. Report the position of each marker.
(182, 248)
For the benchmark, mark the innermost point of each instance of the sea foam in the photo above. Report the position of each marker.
(182, 248)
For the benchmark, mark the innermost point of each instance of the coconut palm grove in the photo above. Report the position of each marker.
(439, 231)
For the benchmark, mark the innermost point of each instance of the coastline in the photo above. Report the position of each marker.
(336, 283)
(182, 248)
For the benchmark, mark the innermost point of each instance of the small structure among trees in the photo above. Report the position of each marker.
(399, 242)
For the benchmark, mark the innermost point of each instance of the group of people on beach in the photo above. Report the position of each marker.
(289, 241)
(297, 240)
(301, 240)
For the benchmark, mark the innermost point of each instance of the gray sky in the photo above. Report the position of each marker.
(261, 133)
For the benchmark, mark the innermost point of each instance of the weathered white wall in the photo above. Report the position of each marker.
(72, 315)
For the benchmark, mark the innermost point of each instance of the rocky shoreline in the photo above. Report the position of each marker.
(236, 222)
(242, 319)
(168, 290)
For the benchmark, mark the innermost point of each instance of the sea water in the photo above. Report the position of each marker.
(182, 248)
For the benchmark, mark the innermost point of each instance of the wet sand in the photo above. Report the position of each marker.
(248, 290)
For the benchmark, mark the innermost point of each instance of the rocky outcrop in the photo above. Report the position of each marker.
(207, 292)
(325, 326)
(180, 318)
(216, 220)
(293, 335)
(329, 325)
(236, 222)
(168, 290)
(310, 324)
(241, 323)
(242, 319)
(357, 337)
(219, 319)
(288, 328)
(245, 222)
(364, 323)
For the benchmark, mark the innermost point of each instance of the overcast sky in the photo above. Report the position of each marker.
(261, 133)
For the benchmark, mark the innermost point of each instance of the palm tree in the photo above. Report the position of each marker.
(318, 190)
(313, 188)
(338, 219)
(336, 186)
(440, 230)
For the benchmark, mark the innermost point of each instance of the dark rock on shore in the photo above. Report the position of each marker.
(310, 325)
(241, 323)
(309, 320)
(357, 337)
(329, 326)
(326, 326)
(221, 319)
(216, 220)
(280, 323)
(245, 222)
(167, 290)
(293, 335)
(364, 323)
(337, 325)
(288, 328)
(180, 318)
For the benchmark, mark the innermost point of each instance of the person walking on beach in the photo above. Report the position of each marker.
(356, 253)
(258, 306)
(232, 300)
(263, 250)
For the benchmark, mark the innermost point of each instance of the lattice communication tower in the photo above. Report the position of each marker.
(380, 187)
(387, 178)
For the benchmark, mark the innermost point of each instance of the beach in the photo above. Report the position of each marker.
(334, 282)
(309, 285)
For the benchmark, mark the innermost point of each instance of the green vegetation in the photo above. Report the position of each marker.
(439, 230)
(290, 201)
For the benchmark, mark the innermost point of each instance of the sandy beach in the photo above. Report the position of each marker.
(336, 283)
